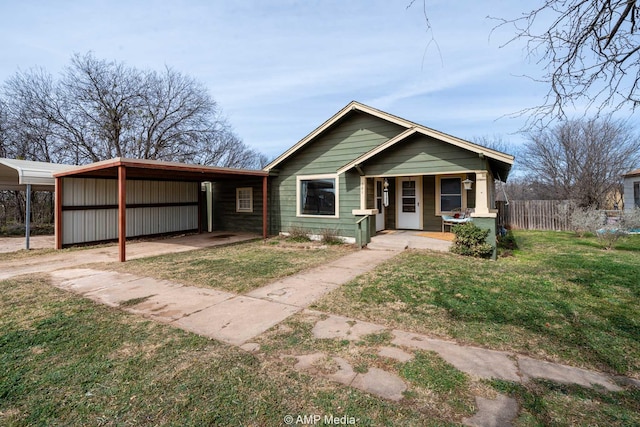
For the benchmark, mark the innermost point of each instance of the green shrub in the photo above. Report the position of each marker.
(471, 241)
(508, 241)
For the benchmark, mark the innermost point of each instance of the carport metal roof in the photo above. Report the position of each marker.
(121, 168)
(157, 170)
(17, 174)
(26, 175)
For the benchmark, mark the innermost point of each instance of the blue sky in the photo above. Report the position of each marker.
(279, 69)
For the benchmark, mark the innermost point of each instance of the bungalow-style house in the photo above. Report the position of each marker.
(360, 172)
(364, 171)
(631, 189)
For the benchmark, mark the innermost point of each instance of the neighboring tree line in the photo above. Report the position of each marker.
(579, 160)
(98, 109)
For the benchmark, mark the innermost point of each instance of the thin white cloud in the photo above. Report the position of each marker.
(279, 69)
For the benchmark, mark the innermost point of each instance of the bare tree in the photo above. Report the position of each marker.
(4, 131)
(581, 160)
(590, 51)
(30, 103)
(177, 116)
(496, 142)
(102, 109)
(99, 101)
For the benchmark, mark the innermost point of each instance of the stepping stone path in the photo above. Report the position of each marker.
(498, 412)
(375, 381)
(476, 362)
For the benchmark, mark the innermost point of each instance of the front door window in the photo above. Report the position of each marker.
(408, 196)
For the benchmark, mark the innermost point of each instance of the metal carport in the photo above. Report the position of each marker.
(26, 175)
(122, 170)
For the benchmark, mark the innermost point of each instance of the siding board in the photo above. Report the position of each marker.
(91, 225)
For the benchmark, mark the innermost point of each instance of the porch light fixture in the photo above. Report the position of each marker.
(385, 193)
(467, 183)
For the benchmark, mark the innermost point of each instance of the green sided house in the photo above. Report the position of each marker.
(364, 171)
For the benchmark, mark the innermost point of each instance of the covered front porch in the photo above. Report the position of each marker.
(421, 202)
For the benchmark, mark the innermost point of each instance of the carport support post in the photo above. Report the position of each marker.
(27, 219)
(264, 207)
(58, 214)
(122, 212)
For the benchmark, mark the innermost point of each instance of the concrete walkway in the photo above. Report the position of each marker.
(234, 319)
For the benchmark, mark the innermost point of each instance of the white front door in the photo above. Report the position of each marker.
(379, 204)
(409, 201)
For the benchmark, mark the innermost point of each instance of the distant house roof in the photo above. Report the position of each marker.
(16, 174)
(635, 172)
(412, 129)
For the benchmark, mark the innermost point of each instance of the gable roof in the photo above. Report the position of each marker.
(412, 129)
(635, 172)
(16, 174)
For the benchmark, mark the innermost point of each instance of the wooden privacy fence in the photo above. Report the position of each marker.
(534, 214)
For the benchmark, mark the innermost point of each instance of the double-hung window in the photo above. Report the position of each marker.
(450, 193)
(244, 199)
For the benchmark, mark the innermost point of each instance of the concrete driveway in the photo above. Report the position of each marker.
(14, 244)
(65, 259)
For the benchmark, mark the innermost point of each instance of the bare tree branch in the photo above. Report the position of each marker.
(590, 52)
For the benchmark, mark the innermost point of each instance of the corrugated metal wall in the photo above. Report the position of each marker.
(90, 211)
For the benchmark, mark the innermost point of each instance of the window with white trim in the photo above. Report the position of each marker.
(450, 194)
(636, 194)
(317, 195)
(244, 199)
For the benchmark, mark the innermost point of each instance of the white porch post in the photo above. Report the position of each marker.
(363, 192)
(482, 193)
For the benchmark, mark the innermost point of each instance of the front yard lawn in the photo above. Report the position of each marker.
(560, 298)
(68, 361)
